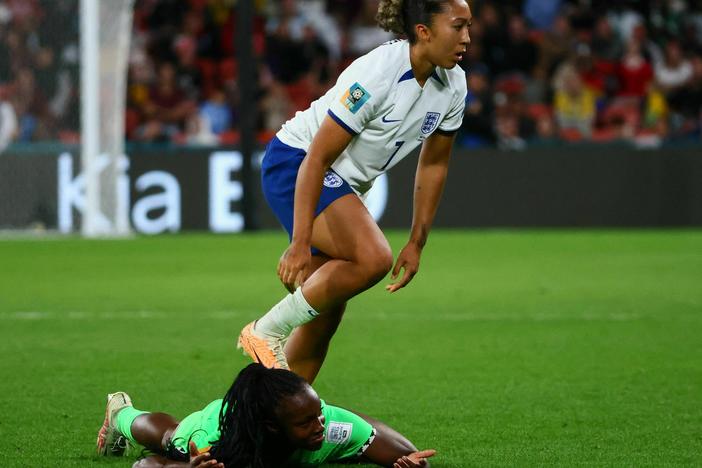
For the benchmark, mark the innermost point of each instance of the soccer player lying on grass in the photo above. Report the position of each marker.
(268, 418)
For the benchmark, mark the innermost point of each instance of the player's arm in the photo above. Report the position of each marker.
(327, 145)
(197, 460)
(428, 186)
(390, 448)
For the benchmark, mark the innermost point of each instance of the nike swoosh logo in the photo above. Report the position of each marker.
(389, 121)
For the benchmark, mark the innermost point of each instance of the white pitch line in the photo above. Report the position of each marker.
(378, 316)
(128, 315)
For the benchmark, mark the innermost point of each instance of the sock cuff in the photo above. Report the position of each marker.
(124, 420)
(303, 304)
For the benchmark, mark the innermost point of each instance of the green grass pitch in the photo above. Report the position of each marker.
(510, 348)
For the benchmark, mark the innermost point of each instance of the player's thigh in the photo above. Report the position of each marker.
(346, 230)
(318, 259)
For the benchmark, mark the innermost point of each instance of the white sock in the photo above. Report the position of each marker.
(289, 313)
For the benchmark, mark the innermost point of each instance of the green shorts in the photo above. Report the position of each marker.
(346, 435)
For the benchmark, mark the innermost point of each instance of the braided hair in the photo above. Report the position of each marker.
(246, 440)
(401, 16)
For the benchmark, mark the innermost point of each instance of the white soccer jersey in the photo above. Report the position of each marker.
(378, 100)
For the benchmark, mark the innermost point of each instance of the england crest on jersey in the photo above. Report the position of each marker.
(430, 122)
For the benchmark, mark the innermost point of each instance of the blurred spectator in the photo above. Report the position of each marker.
(691, 95)
(478, 120)
(520, 53)
(215, 113)
(513, 125)
(364, 34)
(634, 71)
(30, 105)
(605, 43)
(494, 37)
(8, 121)
(166, 107)
(542, 13)
(674, 71)
(555, 46)
(574, 106)
(292, 46)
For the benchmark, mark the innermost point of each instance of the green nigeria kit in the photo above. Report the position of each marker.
(346, 435)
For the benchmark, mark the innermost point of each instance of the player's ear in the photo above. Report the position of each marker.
(422, 32)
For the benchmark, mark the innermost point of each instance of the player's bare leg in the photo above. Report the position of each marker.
(360, 256)
(154, 430)
(308, 345)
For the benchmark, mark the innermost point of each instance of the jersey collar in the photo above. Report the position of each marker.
(409, 74)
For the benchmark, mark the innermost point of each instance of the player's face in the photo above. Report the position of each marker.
(449, 34)
(301, 419)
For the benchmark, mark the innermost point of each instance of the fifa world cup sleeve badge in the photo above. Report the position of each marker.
(354, 97)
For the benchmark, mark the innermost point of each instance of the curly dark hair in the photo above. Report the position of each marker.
(401, 16)
(246, 439)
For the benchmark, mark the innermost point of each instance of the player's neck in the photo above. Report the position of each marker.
(422, 68)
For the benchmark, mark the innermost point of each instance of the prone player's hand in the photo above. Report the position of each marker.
(293, 265)
(408, 260)
(202, 460)
(414, 460)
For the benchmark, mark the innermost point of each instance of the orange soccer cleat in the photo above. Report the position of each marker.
(266, 351)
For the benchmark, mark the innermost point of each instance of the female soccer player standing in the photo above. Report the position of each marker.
(321, 163)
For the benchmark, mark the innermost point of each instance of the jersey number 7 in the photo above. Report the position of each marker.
(398, 145)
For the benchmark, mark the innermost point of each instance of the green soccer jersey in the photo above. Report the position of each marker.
(346, 434)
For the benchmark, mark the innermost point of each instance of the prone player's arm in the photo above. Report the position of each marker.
(428, 186)
(331, 139)
(389, 447)
(197, 460)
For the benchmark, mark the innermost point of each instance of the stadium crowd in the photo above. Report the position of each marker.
(538, 71)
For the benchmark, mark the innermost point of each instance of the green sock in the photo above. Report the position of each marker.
(125, 418)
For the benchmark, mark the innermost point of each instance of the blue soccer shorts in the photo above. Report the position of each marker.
(278, 176)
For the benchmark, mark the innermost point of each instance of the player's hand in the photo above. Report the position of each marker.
(202, 460)
(293, 265)
(414, 460)
(408, 260)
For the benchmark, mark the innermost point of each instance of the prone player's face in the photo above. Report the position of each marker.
(301, 420)
(449, 34)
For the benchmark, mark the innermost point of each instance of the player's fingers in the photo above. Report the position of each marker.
(426, 453)
(299, 279)
(200, 459)
(288, 277)
(406, 278)
(396, 269)
(281, 269)
(192, 448)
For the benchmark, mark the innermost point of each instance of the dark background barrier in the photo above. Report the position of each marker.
(549, 187)
(568, 186)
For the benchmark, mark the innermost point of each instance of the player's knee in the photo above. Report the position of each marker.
(378, 263)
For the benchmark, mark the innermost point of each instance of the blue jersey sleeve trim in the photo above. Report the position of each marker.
(341, 122)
